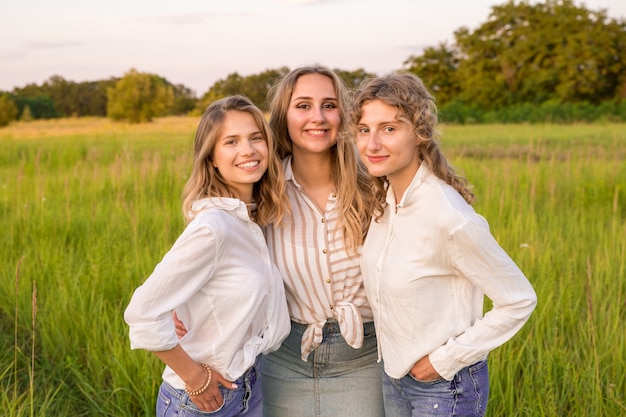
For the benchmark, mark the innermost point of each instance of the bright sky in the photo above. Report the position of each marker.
(197, 42)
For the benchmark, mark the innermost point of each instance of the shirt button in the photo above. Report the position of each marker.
(334, 195)
(323, 220)
(331, 307)
(328, 280)
(325, 251)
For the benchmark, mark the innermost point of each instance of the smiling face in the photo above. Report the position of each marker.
(313, 117)
(387, 145)
(241, 153)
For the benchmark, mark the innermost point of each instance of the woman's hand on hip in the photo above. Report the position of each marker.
(212, 399)
(424, 371)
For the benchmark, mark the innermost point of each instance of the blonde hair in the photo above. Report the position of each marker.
(352, 183)
(206, 181)
(407, 93)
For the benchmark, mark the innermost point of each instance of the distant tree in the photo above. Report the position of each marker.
(184, 100)
(61, 92)
(437, 67)
(535, 52)
(90, 98)
(8, 110)
(40, 106)
(139, 97)
(27, 115)
(352, 79)
(78, 99)
(66, 98)
(29, 90)
(232, 84)
(36, 98)
(255, 87)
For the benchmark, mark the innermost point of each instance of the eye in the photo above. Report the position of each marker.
(303, 106)
(230, 142)
(329, 106)
(389, 129)
(363, 130)
(258, 138)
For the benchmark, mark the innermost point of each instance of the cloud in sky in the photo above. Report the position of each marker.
(31, 47)
(195, 18)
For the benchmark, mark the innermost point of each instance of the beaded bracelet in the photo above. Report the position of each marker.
(204, 386)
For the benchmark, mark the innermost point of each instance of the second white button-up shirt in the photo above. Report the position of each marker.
(427, 266)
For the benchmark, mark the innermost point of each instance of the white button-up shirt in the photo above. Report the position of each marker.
(427, 266)
(219, 278)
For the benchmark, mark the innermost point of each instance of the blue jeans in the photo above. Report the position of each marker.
(244, 401)
(466, 395)
(336, 381)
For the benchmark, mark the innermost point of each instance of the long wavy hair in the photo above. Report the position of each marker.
(352, 183)
(206, 181)
(407, 93)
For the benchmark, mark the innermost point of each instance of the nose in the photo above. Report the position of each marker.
(373, 141)
(247, 147)
(318, 114)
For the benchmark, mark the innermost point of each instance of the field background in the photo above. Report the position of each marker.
(88, 207)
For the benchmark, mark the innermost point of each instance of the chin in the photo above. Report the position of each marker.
(376, 172)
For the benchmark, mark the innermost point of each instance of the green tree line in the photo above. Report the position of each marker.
(526, 61)
(550, 61)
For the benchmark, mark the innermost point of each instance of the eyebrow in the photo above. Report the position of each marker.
(257, 132)
(311, 98)
(384, 122)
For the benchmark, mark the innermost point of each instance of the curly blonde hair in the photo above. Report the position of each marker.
(407, 93)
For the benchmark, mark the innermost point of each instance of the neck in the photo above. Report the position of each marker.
(400, 183)
(246, 197)
(312, 171)
(398, 191)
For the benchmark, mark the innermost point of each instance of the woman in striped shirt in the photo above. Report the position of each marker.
(327, 365)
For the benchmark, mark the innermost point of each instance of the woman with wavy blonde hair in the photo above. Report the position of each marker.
(429, 260)
(218, 276)
(206, 181)
(327, 365)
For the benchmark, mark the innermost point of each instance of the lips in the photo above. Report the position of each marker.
(376, 158)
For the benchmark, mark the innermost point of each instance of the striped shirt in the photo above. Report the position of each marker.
(322, 280)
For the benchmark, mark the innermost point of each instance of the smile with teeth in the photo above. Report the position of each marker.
(317, 132)
(250, 164)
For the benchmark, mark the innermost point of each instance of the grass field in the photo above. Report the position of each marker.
(88, 207)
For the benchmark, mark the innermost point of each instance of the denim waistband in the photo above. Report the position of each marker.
(177, 392)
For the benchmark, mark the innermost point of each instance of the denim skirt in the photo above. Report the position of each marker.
(337, 380)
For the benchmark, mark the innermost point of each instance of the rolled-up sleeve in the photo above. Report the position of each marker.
(182, 272)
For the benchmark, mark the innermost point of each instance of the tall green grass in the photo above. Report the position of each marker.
(88, 207)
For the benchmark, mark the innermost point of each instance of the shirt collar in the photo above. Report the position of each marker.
(222, 203)
(411, 194)
(289, 172)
